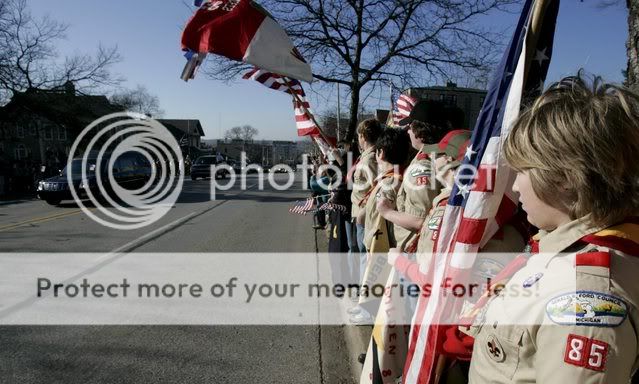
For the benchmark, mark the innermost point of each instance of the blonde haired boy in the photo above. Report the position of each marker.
(575, 153)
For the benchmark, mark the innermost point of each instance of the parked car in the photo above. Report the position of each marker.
(131, 170)
(236, 165)
(202, 168)
(279, 169)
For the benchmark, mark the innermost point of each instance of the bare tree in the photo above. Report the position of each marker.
(28, 57)
(245, 132)
(138, 100)
(632, 46)
(360, 43)
(631, 72)
(328, 121)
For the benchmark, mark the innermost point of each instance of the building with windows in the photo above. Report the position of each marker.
(188, 133)
(264, 152)
(469, 100)
(41, 126)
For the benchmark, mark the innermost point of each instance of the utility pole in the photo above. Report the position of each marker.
(339, 114)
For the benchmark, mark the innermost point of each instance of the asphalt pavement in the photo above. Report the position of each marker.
(250, 220)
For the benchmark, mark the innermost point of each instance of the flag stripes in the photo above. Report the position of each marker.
(303, 207)
(479, 206)
(403, 107)
(303, 114)
(274, 81)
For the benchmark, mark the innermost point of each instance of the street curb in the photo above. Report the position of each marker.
(11, 202)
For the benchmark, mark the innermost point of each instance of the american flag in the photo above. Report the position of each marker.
(402, 108)
(303, 119)
(303, 207)
(274, 81)
(478, 207)
(332, 207)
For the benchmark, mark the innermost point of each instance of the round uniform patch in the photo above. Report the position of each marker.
(529, 282)
(587, 308)
(487, 268)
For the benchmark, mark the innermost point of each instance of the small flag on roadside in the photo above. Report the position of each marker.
(303, 207)
(332, 207)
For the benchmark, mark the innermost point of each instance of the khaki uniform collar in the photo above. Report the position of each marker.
(367, 152)
(558, 240)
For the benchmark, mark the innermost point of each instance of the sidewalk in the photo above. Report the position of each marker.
(355, 338)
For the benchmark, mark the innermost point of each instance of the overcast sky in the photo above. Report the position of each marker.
(147, 33)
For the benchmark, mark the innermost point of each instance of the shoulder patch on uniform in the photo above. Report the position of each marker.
(585, 352)
(419, 170)
(593, 259)
(587, 308)
(433, 223)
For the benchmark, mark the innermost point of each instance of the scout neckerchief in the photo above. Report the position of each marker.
(500, 280)
(351, 172)
(387, 174)
(623, 237)
(412, 247)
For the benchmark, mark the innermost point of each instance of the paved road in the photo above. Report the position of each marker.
(239, 221)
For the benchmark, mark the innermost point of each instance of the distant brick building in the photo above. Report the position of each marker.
(41, 126)
(469, 100)
(264, 152)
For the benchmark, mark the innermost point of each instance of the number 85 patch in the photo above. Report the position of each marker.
(586, 352)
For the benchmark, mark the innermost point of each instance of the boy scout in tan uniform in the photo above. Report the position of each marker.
(386, 186)
(569, 313)
(487, 265)
(416, 194)
(363, 176)
(564, 317)
(419, 186)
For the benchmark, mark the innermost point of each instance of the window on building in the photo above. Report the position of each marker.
(21, 152)
(48, 133)
(20, 131)
(33, 128)
(62, 133)
(450, 100)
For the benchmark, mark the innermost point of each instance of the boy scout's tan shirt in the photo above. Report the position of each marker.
(580, 318)
(493, 257)
(363, 176)
(386, 188)
(415, 195)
